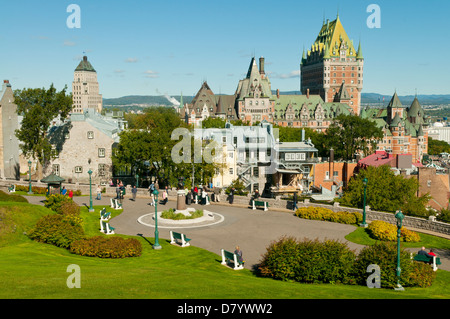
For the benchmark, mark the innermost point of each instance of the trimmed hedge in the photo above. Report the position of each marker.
(107, 247)
(58, 230)
(311, 261)
(308, 261)
(384, 254)
(325, 214)
(385, 231)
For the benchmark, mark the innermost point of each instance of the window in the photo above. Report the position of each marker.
(101, 169)
(78, 169)
(55, 169)
(101, 152)
(327, 175)
(90, 134)
(231, 170)
(335, 174)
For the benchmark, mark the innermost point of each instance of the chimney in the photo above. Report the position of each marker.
(278, 93)
(6, 81)
(261, 65)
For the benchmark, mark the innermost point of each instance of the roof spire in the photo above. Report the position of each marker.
(359, 55)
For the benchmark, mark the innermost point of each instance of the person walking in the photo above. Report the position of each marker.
(71, 194)
(295, 202)
(134, 192)
(99, 193)
(231, 196)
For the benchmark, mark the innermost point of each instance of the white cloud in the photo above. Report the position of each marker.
(151, 74)
(131, 60)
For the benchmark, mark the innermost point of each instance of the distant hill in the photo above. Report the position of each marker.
(366, 98)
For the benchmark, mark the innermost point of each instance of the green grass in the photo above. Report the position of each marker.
(361, 236)
(31, 270)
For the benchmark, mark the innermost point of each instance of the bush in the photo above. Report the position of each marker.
(381, 230)
(308, 261)
(34, 189)
(319, 213)
(384, 254)
(58, 230)
(55, 201)
(170, 214)
(107, 247)
(444, 216)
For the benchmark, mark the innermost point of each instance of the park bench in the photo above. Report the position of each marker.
(12, 188)
(115, 204)
(433, 260)
(260, 203)
(229, 256)
(176, 237)
(105, 215)
(106, 228)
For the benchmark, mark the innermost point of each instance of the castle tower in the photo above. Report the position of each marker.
(331, 62)
(85, 88)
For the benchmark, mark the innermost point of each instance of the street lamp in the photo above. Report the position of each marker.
(364, 224)
(399, 216)
(156, 245)
(29, 179)
(91, 209)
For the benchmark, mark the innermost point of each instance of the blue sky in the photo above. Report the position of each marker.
(168, 47)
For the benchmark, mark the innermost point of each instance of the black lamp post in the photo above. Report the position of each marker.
(364, 223)
(399, 216)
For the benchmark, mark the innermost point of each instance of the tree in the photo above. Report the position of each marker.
(150, 141)
(349, 134)
(39, 108)
(436, 147)
(385, 191)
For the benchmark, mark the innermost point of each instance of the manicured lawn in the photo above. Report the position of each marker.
(361, 236)
(33, 270)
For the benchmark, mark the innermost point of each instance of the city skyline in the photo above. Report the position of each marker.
(156, 48)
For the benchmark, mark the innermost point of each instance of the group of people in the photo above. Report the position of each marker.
(424, 252)
(64, 192)
(195, 194)
(165, 193)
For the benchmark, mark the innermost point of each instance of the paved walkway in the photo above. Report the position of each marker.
(252, 230)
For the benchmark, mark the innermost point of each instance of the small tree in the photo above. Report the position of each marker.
(39, 108)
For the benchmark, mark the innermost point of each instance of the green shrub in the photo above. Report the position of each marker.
(384, 254)
(308, 261)
(58, 230)
(55, 201)
(444, 216)
(325, 214)
(107, 247)
(381, 230)
(170, 214)
(34, 189)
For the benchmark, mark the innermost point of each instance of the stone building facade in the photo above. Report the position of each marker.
(9, 144)
(85, 88)
(84, 142)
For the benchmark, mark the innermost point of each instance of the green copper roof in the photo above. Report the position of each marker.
(85, 65)
(359, 55)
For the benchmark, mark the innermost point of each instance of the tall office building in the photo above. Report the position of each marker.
(332, 67)
(85, 88)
